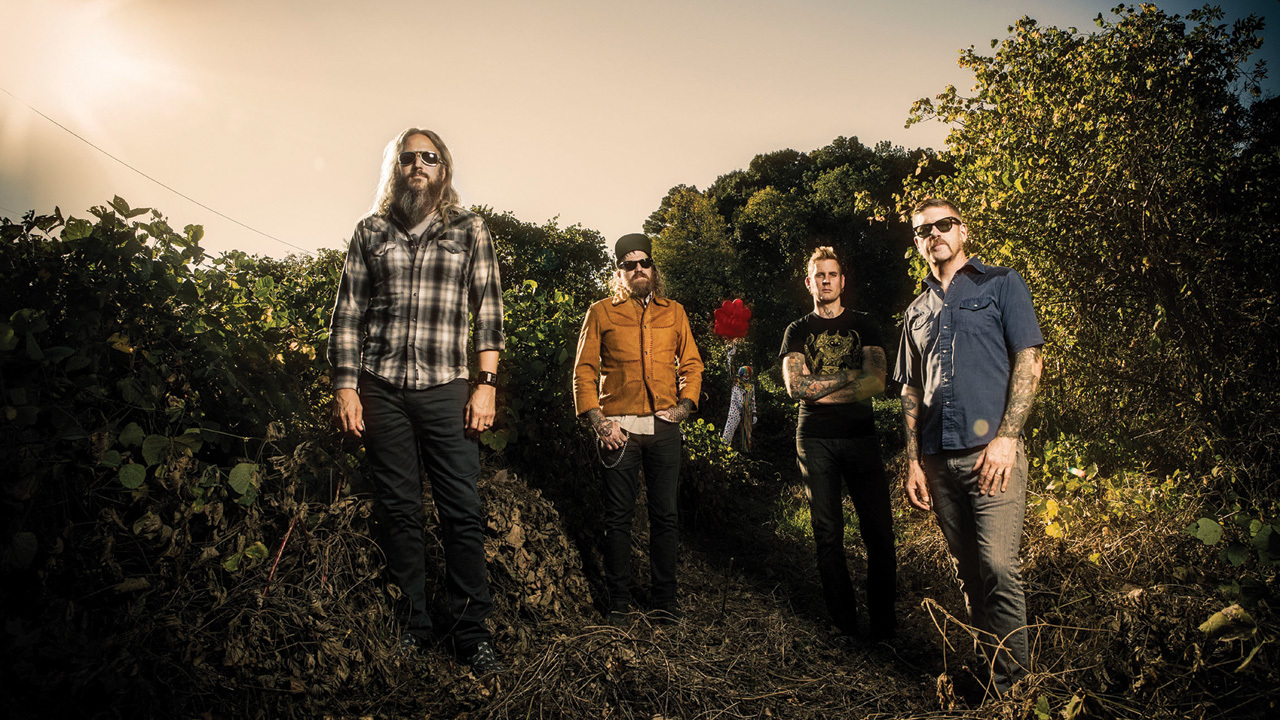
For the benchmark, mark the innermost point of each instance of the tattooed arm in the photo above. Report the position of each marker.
(866, 383)
(996, 461)
(839, 386)
(915, 485)
(803, 386)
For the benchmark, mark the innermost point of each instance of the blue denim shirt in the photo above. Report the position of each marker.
(958, 348)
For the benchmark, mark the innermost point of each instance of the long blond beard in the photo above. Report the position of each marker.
(415, 205)
(619, 288)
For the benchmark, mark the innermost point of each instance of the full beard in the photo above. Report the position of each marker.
(415, 204)
(640, 287)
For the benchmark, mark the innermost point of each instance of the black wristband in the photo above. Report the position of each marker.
(484, 377)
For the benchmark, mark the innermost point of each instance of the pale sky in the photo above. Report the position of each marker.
(275, 113)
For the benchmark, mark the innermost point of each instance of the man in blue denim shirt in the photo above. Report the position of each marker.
(969, 363)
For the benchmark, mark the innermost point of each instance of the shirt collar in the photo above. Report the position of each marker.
(660, 301)
(974, 263)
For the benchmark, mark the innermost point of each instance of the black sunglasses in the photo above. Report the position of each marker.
(629, 265)
(429, 158)
(943, 225)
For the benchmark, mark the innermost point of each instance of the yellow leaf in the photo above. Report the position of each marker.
(120, 342)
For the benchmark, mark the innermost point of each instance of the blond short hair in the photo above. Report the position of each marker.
(824, 252)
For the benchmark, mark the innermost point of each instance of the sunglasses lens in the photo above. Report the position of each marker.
(923, 230)
(645, 263)
(429, 158)
(944, 225)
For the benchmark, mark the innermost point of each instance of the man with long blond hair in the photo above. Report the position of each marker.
(419, 264)
(636, 377)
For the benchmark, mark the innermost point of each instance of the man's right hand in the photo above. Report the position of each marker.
(348, 413)
(916, 486)
(616, 438)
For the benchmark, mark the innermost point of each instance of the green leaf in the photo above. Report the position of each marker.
(243, 477)
(248, 497)
(77, 229)
(190, 438)
(33, 348)
(20, 551)
(132, 435)
(256, 552)
(154, 448)
(1229, 619)
(1267, 543)
(134, 393)
(1042, 709)
(1235, 554)
(232, 563)
(77, 362)
(1074, 708)
(110, 458)
(1206, 530)
(8, 339)
(120, 206)
(132, 476)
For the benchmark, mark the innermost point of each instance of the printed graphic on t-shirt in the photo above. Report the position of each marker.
(833, 350)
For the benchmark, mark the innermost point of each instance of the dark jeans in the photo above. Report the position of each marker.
(405, 427)
(984, 533)
(829, 466)
(659, 455)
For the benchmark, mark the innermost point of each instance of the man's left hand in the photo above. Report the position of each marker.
(995, 464)
(675, 414)
(481, 408)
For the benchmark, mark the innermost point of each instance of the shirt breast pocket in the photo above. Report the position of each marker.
(382, 260)
(978, 315)
(454, 259)
(923, 329)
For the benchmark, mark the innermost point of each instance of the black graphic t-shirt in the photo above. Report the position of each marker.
(830, 345)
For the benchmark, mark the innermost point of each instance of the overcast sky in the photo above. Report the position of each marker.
(275, 113)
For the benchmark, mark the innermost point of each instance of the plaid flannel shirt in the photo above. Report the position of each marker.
(402, 312)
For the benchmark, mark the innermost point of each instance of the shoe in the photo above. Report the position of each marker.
(409, 646)
(665, 616)
(484, 660)
(621, 614)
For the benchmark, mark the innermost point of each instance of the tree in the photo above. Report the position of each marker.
(1119, 171)
(571, 259)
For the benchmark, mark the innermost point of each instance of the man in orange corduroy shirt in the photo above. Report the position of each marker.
(636, 377)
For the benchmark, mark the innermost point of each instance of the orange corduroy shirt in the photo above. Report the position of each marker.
(634, 359)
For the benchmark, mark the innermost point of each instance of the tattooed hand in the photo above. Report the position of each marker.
(608, 432)
(676, 414)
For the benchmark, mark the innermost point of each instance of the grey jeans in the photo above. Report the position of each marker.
(984, 533)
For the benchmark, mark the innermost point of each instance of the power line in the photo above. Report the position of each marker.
(166, 187)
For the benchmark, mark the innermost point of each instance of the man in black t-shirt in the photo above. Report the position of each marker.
(833, 361)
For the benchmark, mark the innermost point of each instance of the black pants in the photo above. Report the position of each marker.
(405, 427)
(659, 455)
(827, 466)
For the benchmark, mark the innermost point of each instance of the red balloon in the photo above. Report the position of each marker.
(732, 319)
